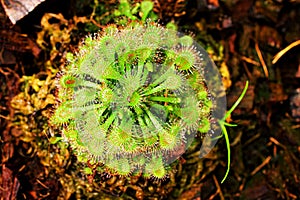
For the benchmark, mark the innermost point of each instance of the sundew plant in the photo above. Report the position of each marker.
(133, 99)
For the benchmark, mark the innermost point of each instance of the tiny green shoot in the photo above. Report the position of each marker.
(224, 131)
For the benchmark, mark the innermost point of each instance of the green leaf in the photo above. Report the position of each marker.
(146, 7)
(135, 9)
(171, 26)
(124, 7)
(54, 140)
(228, 113)
(88, 170)
(228, 150)
(225, 133)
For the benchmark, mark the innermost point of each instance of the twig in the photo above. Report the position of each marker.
(42, 184)
(259, 167)
(4, 117)
(249, 60)
(290, 194)
(247, 71)
(285, 148)
(219, 191)
(261, 59)
(254, 137)
(277, 143)
(283, 51)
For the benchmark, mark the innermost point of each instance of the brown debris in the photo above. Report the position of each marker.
(169, 8)
(17, 42)
(10, 184)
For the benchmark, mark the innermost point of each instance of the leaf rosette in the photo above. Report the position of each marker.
(134, 98)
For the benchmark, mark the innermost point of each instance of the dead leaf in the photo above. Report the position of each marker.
(14, 41)
(10, 184)
(16, 10)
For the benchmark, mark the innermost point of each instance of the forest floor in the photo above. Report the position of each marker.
(246, 39)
